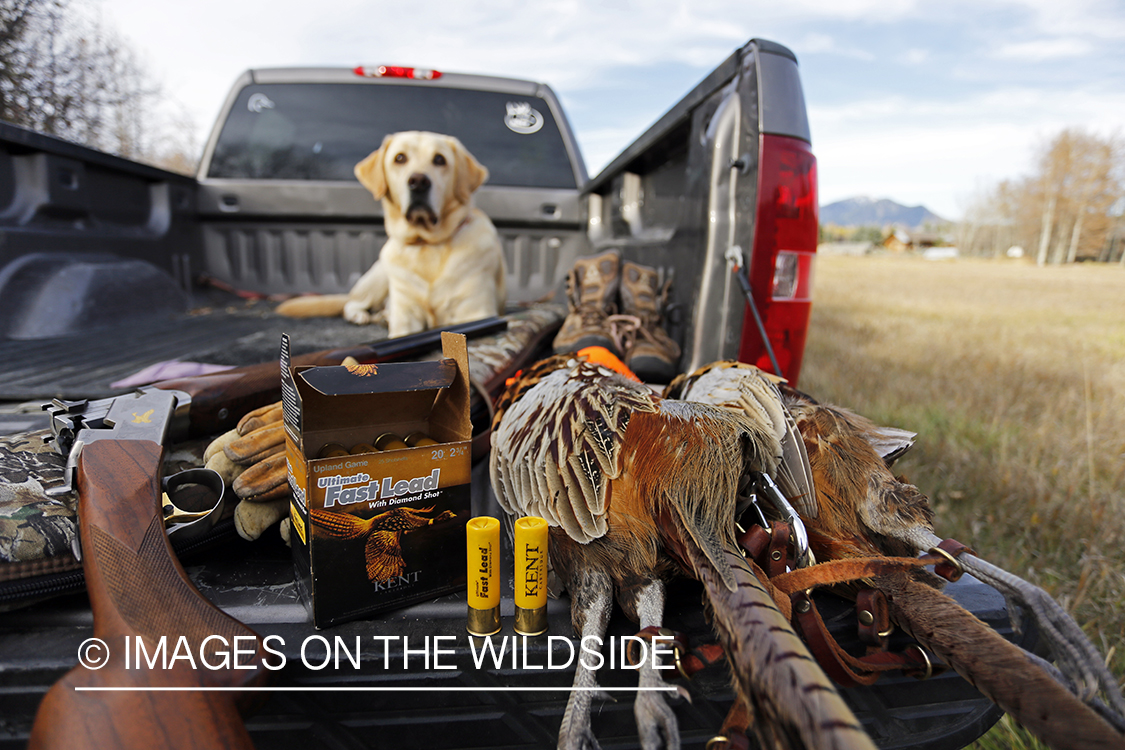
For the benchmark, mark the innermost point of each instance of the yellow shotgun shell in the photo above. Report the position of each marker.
(531, 576)
(415, 439)
(482, 543)
(389, 441)
(333, 450)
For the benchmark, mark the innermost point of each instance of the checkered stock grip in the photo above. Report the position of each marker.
(146, 611)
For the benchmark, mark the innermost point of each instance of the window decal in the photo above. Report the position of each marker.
(522, 118)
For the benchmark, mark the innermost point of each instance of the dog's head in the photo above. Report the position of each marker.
(425, 177)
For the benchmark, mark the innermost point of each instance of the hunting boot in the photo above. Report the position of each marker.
(591, 291)
(651, 352)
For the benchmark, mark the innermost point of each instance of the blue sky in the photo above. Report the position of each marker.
(920, 102)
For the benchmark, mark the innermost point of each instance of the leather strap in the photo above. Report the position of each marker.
(688, 661)
(777, 556)
(950, 550)
(770, 549)
(846, 571)
(845, 669)
(755, 541)
(792, 588)
(873, 618)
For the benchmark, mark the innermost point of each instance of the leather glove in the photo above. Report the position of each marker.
(251, 457)
(252, 519)
(251, 460)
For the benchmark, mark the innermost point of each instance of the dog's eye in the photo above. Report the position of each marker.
(439, 160)
(400, 158)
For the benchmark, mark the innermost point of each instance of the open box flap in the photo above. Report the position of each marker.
(342, 380)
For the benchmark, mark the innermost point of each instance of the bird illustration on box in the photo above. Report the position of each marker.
(861, 511)
(637, 489)
(382, 534)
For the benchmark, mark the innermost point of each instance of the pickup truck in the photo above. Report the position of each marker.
(108, 266)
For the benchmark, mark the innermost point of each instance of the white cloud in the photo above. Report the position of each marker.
(1044, 49)
(1099, 19)
(817, 43)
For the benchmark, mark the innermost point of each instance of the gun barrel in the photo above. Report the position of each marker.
(218, 400)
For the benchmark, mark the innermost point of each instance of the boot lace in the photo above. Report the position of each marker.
(623, 329)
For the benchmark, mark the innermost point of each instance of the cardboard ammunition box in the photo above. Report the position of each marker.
(380, 530)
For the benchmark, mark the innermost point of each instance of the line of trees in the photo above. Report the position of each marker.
(63, 73)
(1069, 209)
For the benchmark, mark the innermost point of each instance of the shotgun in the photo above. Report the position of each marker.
(218, 400)
(148, 677)
(159, 650)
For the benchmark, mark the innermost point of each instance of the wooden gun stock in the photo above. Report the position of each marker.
(144, 606)
(220, 399)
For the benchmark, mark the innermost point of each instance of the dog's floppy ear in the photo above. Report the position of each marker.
(370, 172)
(471, 174)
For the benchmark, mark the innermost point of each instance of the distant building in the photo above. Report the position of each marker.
(901, 241)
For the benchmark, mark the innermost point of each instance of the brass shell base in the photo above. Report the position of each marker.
(531, 621)
(484, 622)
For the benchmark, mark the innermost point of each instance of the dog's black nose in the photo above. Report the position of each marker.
(418, 182)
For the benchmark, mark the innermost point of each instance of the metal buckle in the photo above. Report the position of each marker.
(950, 559)
(802, 556)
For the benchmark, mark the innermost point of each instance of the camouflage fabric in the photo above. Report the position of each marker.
(34, 525)
(491, 354)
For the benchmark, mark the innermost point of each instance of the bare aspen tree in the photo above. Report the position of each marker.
(15, 22)
(1068, 207)
(1045, 230)
(65, 74)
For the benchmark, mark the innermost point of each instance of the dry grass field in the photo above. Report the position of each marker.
(1014, 378)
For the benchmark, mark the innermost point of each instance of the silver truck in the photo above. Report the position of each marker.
(107, 267)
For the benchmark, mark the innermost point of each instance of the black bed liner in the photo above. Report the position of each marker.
(222, 330)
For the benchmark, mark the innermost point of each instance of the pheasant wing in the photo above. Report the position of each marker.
(557, 445)
(383, 555)
(751, 391)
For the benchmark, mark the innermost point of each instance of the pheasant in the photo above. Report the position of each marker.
(381, 535)
(860, 509)
(636, 489)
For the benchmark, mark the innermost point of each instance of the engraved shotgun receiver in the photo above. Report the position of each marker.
(148, 676)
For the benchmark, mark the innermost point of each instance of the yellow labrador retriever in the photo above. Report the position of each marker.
(442, 262)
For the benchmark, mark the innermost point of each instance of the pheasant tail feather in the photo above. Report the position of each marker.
(774, 670)
(999, 669)
(339, 525)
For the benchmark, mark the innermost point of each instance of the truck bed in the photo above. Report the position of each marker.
(466, 707)
(460, 708)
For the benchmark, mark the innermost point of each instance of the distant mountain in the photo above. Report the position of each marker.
(863, 211)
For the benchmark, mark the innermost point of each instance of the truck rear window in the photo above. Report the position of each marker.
(320, 131)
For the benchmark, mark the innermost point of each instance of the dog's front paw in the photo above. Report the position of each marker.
(356, 312)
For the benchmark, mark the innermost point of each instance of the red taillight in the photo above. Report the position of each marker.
(780, 265)
(395, 71)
